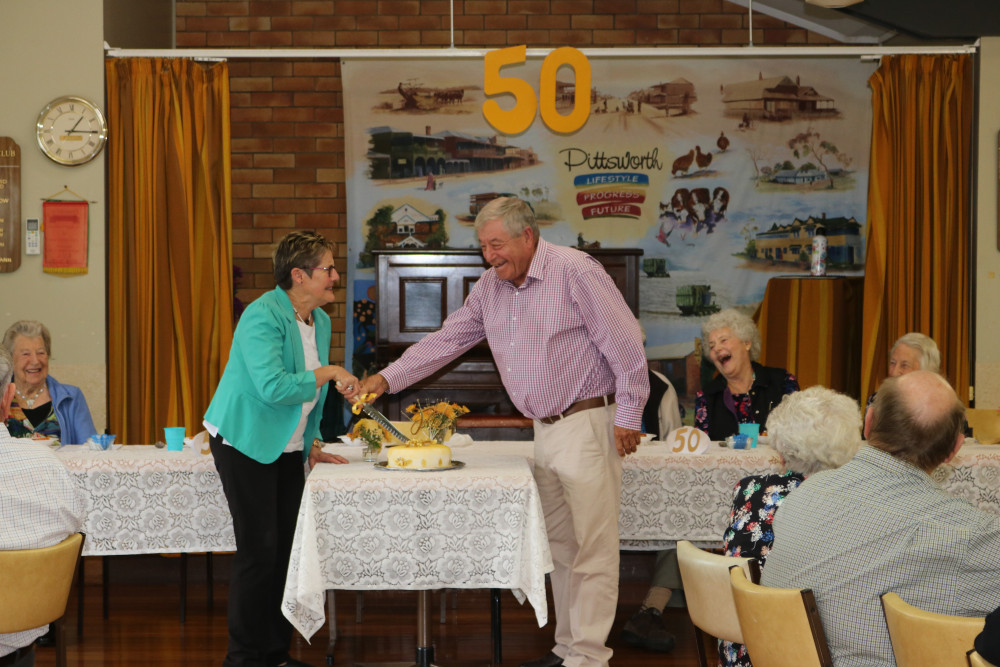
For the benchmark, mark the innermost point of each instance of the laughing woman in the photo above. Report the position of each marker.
(744, 392)
(262, 422)
(43, 406)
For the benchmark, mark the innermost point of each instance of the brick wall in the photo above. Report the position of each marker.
(287, 115)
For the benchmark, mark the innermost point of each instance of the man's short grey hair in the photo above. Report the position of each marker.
(517, 215)
(6, 369)
(28, 329)
(741, 325)
(930, 356)
(815, 429)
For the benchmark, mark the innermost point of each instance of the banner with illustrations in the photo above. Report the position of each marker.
(720, 169)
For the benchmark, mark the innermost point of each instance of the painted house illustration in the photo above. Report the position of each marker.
(410, 228)
(394, 153)
(677, 94)
(775, 98)
(790, 243)
(798, 176)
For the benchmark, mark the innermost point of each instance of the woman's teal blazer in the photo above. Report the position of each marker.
(258, 402)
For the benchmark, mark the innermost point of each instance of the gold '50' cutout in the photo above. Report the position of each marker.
(526, 103)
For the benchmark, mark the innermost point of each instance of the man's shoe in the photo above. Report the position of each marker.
(645, 630)
(48, 639)
(550, 660)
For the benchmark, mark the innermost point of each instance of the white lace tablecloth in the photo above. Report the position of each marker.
(668, 497)
(144, 500)
(974, 474)
(362, 528)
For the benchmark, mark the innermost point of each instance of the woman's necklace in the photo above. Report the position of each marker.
(308, 322)
(30, 402)
(753, 377)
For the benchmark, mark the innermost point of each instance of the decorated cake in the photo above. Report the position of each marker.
(419, 454)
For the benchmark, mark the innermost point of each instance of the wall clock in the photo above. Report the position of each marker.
(71, 130)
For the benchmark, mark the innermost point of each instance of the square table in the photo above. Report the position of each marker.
(362, 527)
(145, 500)
(142, 499)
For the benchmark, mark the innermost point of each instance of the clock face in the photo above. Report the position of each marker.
(71, 130)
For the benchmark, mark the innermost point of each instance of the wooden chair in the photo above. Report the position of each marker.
(709, 594)
(781, 626)
(34, 588)
(985, 425)
(924, 638)
(976, 660)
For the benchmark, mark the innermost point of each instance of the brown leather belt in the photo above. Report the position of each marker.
(585, 404)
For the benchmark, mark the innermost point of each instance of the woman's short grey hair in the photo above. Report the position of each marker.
(741, 325)
(298, 250)
(517, 215)
(28, 329)
(815, 429)
(930, 357)
(6, 369)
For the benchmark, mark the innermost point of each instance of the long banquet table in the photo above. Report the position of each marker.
(146, 500)
(143, 500)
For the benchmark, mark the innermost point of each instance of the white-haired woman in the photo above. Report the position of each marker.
(744, 392)
(812, 430)
(912, 352)
(43, 406)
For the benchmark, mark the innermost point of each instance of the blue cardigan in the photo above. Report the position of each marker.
(258, 402)
(72, 411)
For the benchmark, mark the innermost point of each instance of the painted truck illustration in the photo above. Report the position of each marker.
(696, 300)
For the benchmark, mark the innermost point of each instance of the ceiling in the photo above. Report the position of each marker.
(932, 19)
(882, 21)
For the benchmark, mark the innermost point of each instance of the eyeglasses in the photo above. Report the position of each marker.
(330, 270)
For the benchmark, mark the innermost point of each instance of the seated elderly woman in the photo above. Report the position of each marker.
(812, 430)
(42, 406)
(744, 392)
(912, 352)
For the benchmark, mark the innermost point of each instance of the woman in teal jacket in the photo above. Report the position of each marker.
(262, 421)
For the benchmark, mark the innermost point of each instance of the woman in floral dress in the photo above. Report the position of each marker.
(811, 430)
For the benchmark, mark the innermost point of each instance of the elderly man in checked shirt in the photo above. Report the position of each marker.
(40, 505)
(880, 523)
(570, 354)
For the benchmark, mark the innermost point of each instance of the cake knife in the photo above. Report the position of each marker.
(382, 421)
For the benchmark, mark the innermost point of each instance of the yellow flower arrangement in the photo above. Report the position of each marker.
(437, 420)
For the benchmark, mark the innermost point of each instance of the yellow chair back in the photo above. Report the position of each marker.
(708, 592)
(976, 660)
(781, 626)
(35, 584)
(985, 425)
(924, 638)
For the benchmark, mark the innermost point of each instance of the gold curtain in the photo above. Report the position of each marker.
(916, 270)
(170, 283)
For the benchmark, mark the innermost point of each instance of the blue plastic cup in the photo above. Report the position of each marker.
(175, 438)
(752, 430)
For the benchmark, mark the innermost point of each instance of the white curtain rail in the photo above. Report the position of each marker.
(684, 52)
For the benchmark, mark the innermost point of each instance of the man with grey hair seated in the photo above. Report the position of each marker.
(880, 523)
(40, 505)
